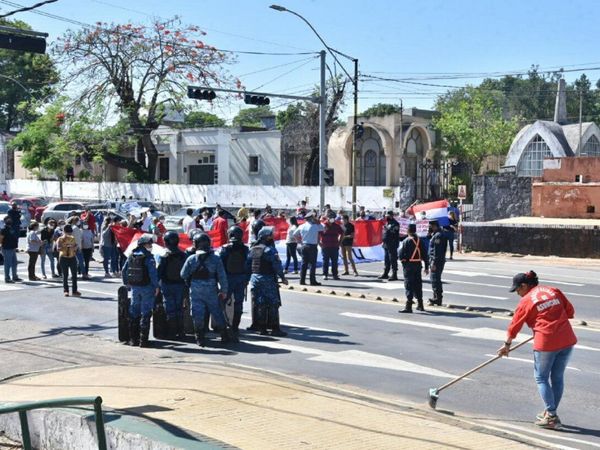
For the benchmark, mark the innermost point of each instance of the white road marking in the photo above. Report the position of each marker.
(545, 435)
(308, 327)
(356, 358)
(392, 286)
(491, 334)
(465, 273)
(105, 294)
(530, 361)
(9, 287)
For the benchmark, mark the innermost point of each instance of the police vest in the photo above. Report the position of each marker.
(137, 270)
(416, 254)
(174, 264)
(236, 259)
(202, 272)
(260, 264)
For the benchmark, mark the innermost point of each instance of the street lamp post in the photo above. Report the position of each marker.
(322, 111)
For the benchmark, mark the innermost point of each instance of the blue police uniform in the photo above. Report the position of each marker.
(265, 266)
(205, 274)
(234, 256)
(391, 241)
(412, 254)
(171, 283)
(437, 260)
(142, 292)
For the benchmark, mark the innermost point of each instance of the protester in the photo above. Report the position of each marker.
(146, 220)
(58, 232)
(291, 246)
(328, 213)
(308, 232)
(546, 311)
(119, 252)
(90, 219)
(108, 248)
(47, 249)
(207, 221)
(139, 273)
(5, 196)
(220, 225)
(346, 244)
(390, 243)
(437, 260)
(9, 240)
(268, 214)
(450, 230)
(87, 249)
(34, 244)
(412, 254)
(188, 222)
(330, 240)
(75, 223)
(14, 214)
(255, 225)
(242, 213)
(67, 248)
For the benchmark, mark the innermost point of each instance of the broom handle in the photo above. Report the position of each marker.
(489, 361)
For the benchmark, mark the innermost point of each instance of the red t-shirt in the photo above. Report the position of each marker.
(546, 311)
(220, 225)
(330, 238)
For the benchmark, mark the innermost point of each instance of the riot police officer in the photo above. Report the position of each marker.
(437, 260)
(412, 254)
(234, 256)
(172, 285)
(205, 275)
(391, 241)
(139, 273)
(264, 264)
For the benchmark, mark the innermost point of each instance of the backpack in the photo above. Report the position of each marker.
(137, 272)
(174, 264)
(236, 260)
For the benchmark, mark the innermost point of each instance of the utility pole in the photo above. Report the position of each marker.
(322, 134)
(354, 129)
(580, 121)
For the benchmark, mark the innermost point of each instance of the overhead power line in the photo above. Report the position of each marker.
(26, 8)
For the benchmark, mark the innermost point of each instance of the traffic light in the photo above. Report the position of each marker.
(256, 100)
(200, 94)
(328, 176)
(22, 43)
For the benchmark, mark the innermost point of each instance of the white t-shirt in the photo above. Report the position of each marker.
(189, 224)
(147, 223)
(206, 223)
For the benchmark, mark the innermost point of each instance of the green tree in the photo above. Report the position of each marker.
(139, 69)
(250, 117)
(381, 110)
(25, 79)
(473, 125)
(202, 119)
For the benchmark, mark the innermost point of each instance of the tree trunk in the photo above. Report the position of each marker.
(151, 157)
(127, 163)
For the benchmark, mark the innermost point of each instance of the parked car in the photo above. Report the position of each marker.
(34, 205)
(175, 220)
(60, 210)
(25, 217)
(4, 207)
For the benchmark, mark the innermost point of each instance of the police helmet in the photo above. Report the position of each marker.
(202, 241)
(145, 239)
(265, 232)
(171, 239)
(235, 234)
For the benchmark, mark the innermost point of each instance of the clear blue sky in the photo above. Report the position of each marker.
(391, 38)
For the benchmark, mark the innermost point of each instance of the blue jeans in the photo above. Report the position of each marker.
(10, 263)
(47, 253)
(549, 370)
(80, 263)
(173, 299)
(109, 256)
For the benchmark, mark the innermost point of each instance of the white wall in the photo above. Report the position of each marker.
(226, 195)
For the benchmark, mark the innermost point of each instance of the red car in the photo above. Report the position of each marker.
(34, 205)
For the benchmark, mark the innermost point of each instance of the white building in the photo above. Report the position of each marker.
(218, 156)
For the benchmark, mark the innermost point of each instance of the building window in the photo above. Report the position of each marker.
(531, 163)
(253, 164)
(370, 161)
(591, 147)
(414, 143)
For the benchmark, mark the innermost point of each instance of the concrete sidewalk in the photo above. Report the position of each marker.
(252, 409)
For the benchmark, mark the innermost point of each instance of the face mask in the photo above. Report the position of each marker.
(162, 220)
(331, 220)
(85, 227)
(148, 247)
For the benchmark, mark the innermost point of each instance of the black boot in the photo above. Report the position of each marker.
(144, 332)
(172, 328)
(407, 307)
(226, 336)
(200, 338)
(439, 301)
(134, 332)
(420, 306)
(253, 326)
(394, 276)
(276, 330)
(180, 333)
(383, 276)
(432, 301)
(235, 324)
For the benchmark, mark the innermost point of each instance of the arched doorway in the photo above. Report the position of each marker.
(370, 159)
(414, 156)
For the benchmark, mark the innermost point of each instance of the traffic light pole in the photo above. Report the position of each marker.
(322, 135)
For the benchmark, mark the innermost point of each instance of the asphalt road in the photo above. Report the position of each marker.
(367, 344)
